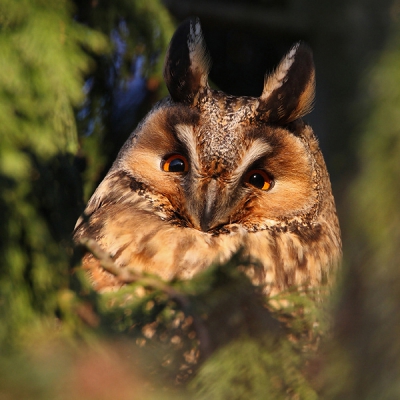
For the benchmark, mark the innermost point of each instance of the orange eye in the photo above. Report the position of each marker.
(259, 179)
(175, 163)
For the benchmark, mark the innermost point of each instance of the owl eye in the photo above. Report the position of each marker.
(175, 163)
(259, 179)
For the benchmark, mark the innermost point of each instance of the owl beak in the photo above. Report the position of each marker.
(209, 210)
(207, 215)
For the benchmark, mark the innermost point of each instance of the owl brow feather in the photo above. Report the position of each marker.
(259, 148)
(185, 134)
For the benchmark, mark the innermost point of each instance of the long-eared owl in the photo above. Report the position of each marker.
(206, 174)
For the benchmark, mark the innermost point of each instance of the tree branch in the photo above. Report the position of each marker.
(127, 276)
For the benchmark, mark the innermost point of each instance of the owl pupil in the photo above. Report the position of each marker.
(257, 180)
(177, 165)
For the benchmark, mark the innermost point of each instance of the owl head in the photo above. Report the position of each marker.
(221, 159)
(206, 173)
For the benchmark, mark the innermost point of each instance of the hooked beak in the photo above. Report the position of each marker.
(211, 206)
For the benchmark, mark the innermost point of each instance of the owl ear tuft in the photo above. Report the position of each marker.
(289, 91)
(187, 63)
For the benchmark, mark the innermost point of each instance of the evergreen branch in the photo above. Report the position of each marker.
(127, 276)
(105, 259)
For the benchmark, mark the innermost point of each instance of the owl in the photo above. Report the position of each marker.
(206, 174)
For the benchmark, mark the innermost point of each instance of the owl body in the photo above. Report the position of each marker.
(206, 174)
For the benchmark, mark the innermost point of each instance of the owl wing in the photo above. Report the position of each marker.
(137, 229)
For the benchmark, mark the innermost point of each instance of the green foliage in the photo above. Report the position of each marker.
(379, 155)
(41, 76)
(367, 353)
(217, 331)
(46, 55)
(253, 369)
(211, 337)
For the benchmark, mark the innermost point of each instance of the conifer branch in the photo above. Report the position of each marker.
(127, 276)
